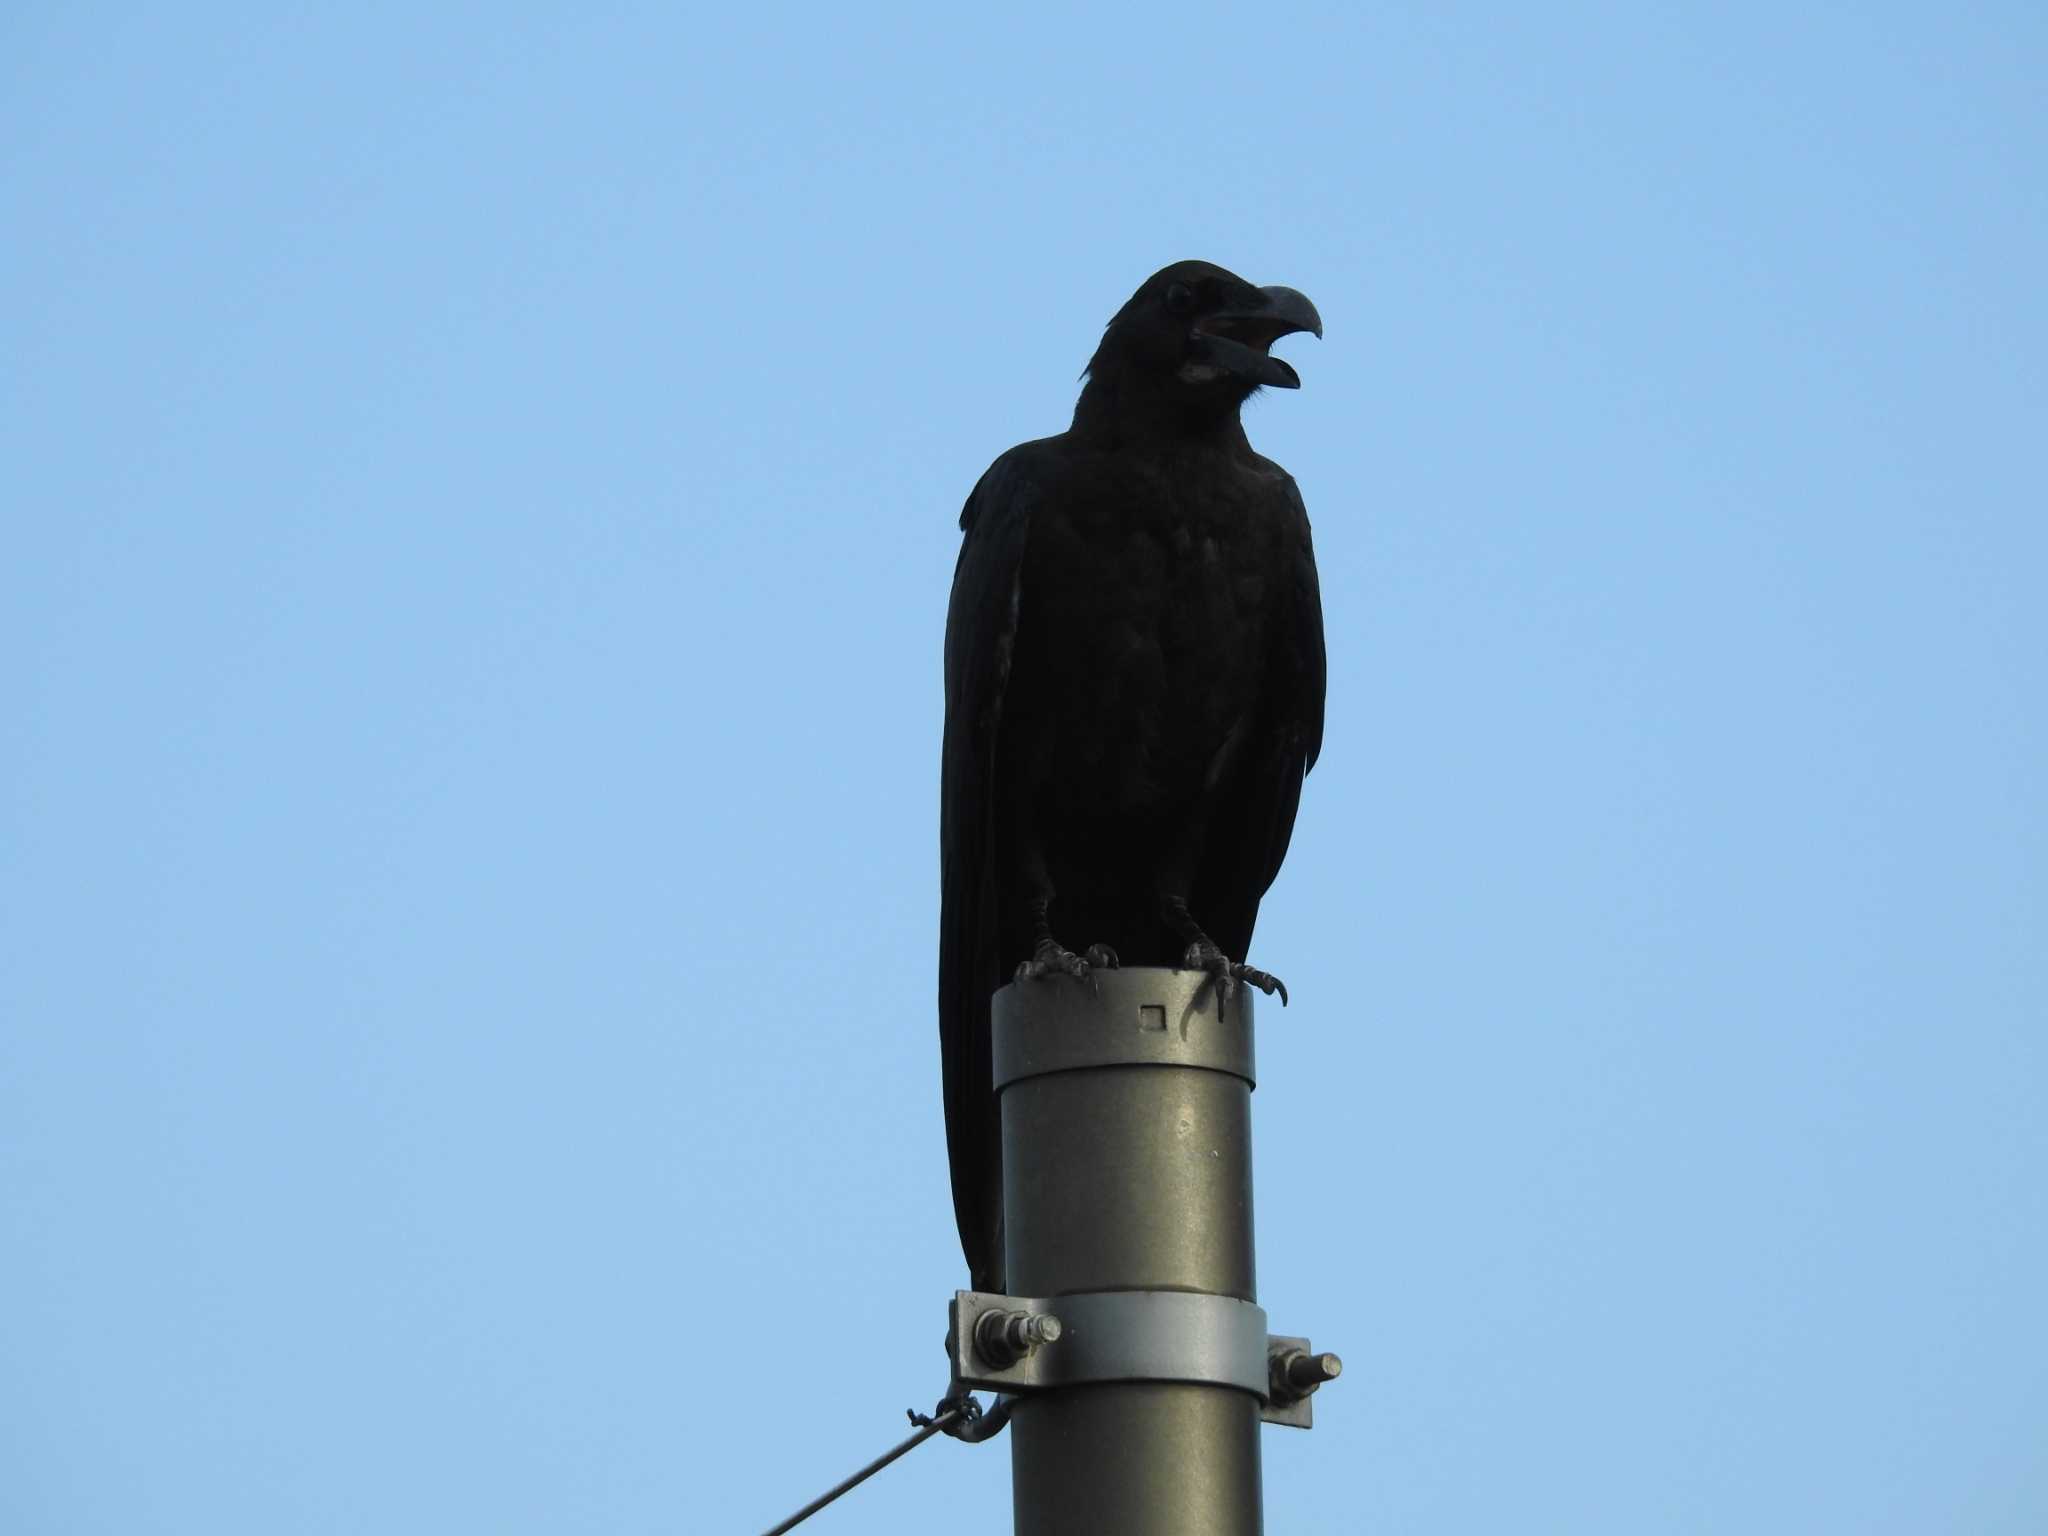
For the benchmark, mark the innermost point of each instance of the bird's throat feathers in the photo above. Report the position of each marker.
(1122, 401)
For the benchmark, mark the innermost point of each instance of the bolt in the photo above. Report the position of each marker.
(1295, 1373)
(1004, 1338)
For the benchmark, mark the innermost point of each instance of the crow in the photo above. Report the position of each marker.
(1134, 689)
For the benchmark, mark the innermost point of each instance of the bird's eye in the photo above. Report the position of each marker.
(1180, 298)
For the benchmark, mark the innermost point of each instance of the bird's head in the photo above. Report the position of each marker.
(1200, 336)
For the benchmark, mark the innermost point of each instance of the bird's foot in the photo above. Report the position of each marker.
(1228, 974)
(1052, 958)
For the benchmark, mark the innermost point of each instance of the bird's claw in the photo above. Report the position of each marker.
(1054, 959)
(1265, 981)
(1228, 974)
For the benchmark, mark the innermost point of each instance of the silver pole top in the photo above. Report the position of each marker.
(1134, 1016)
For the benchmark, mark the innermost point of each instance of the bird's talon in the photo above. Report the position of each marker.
(1053, 959)
(1265, 981)
(1229, 974)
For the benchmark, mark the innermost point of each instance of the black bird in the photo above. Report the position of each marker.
(1134, 689)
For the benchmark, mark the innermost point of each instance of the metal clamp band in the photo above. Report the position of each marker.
(1022, 1344)
(1112, 1336)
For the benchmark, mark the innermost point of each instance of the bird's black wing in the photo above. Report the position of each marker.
(981, 628)
(1254, 821)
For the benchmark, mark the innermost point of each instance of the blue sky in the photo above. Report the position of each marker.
(479, 502)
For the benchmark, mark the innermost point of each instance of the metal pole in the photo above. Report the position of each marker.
(1127, 1167)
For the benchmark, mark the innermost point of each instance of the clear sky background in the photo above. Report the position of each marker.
(479, 495)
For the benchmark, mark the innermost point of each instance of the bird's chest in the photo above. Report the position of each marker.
(1146, 608)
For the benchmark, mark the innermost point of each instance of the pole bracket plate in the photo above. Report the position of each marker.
(1111, 1336)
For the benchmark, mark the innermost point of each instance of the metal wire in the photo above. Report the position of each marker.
(926, 1429)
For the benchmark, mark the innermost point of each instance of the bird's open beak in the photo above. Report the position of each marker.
(1237, 338)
